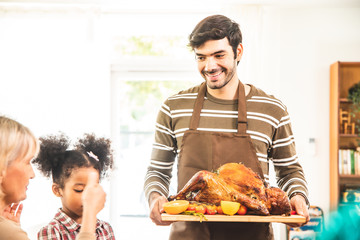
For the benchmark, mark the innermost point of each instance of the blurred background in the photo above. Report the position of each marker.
(107, 66)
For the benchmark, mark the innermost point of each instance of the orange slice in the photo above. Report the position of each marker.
(175, 207)
(230, 208)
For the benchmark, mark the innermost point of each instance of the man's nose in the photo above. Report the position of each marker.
(210, 64)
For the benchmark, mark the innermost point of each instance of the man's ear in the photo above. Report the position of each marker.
(56, 190)
(239, 52)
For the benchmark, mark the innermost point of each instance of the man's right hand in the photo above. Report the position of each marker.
(156, 202)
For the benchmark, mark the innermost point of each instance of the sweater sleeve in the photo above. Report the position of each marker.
(163, 155)
(85, 236)
(10, 230)
(289, 172)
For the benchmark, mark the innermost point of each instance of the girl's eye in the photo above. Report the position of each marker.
(78, 190)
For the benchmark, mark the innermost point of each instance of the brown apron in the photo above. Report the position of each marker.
(204, 150)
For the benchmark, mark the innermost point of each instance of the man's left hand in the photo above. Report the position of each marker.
(298, 204)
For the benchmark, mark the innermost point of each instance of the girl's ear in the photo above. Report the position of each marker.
(56, 190)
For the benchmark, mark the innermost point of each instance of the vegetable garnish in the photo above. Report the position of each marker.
(201, 215)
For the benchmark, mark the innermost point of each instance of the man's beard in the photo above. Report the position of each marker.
(228, 76)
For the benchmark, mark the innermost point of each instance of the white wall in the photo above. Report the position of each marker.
(292, 62)
(54, 76)
(310, 40)
(54, 71)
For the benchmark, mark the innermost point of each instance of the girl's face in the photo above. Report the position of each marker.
(72, 191)
(16, 179)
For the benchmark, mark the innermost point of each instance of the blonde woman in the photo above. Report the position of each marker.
(18, 146)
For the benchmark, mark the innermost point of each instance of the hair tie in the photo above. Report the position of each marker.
(91, 154)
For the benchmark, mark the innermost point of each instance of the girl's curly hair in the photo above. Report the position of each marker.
(56, 160)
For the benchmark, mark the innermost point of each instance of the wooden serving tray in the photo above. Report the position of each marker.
(235, 218)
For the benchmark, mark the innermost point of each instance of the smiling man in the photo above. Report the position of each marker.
(221, 121)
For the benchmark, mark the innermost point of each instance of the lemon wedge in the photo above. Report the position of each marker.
(230, 208)
(175, 207)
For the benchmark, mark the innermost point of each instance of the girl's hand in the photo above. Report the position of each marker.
(93, 200)
(93, 197)
(13, 212)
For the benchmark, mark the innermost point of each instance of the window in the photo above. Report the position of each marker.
(147, 68)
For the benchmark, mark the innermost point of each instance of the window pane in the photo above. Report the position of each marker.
(138, 107)
(143, 45)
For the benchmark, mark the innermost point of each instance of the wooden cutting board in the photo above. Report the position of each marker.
(235, 218)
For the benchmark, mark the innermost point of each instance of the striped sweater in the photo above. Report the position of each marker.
(268, 126)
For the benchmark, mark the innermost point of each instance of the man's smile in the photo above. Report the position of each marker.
(213, 74)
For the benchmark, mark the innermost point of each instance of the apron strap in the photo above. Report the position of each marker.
(195, 118)
(242, 117)
(199, 102)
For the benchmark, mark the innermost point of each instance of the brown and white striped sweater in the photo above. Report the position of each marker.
(268, 126)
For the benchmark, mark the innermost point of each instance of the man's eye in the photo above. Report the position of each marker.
(220, 55)
(200, 58)
(78, 190)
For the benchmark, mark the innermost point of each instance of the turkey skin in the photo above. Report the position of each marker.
(235, 182)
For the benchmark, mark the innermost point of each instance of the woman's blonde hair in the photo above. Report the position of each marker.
(16, 142)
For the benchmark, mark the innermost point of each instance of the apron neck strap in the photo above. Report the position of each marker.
(199, 102)
(242, 118)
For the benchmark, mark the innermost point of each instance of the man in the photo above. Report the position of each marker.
(221, 121)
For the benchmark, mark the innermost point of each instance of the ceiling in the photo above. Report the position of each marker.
(287, 3)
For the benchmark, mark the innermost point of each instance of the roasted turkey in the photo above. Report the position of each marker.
(235, 182)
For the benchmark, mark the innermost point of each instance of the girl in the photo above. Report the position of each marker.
(18, 146)
(69, 170)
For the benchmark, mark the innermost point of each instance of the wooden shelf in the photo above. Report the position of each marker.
(349, 135)
(343, 75)
(349, 176)
(344, 100)
(349, 179)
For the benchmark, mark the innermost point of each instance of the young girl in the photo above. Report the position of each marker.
(69, 170)
(18, 146)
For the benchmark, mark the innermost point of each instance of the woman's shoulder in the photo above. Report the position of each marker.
(11, 231)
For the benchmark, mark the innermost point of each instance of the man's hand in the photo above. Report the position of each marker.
(155, 202)
(298, 204)
(13, 212)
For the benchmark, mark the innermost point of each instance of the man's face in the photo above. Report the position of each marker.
(216, 62)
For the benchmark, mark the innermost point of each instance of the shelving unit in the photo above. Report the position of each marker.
(343, 75)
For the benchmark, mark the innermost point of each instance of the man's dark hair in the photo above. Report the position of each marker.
(216, 27)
